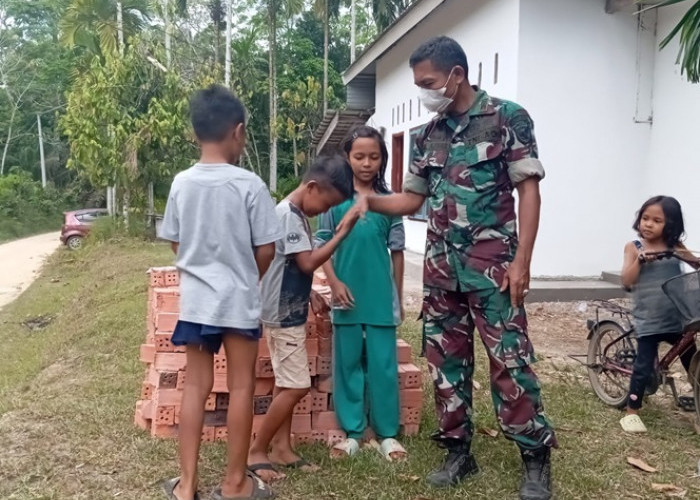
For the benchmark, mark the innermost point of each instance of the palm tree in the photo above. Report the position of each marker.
(689, 30)
(326, 9)
(92, 24)
(386, 12)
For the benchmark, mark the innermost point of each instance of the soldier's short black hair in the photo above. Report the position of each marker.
(444, 52)
(674, 228)
(214, 111)
(332, 172)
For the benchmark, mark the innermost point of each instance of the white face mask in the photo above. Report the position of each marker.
(435, 100)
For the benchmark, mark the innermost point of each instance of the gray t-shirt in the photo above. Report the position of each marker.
(219, 213)
(285, 288)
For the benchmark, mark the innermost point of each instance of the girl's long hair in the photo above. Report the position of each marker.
(674, 229)
(365, 131)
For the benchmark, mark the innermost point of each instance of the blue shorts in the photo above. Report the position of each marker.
(211, 337)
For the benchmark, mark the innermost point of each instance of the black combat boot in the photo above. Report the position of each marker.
(536, 483)
(459, 464)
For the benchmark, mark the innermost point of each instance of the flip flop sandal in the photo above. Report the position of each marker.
(264, 466)
(389, 446)
(169, 489)
(348, 446)
(633, 424)
(260, 490)
(686, 403)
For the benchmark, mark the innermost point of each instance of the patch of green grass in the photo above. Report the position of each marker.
(67, 395)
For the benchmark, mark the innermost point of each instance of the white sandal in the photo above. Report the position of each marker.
(632, 423)
(391, 445)
(348, 446)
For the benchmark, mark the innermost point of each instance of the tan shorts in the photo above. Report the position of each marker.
(290, 361)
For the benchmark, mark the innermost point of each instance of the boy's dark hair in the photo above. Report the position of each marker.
(674, 229)
(332, 172)
(365, 131)
(444, 52)
(214, 111)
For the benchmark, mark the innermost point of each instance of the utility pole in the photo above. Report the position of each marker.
(41, 152)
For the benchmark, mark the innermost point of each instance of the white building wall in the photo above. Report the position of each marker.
(578, 78)
(483, 28)
(673, 160)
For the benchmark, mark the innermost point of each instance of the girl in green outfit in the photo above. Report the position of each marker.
(367, 299)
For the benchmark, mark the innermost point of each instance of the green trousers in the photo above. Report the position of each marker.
(365, 373)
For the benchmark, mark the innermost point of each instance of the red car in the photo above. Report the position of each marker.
(76, 225)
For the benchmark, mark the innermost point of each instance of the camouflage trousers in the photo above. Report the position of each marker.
(449, 322)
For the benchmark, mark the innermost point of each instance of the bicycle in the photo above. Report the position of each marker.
(612, 346)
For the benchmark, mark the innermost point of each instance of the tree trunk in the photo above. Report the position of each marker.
(166, 16)
(41, 151)
(325, 58)
(227, 69)
(294, 152)
(272, 12)
(7, 143)
(120, 27)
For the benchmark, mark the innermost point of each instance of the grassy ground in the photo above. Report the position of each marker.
(67, 393)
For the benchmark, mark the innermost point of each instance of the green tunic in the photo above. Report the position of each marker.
(362, 262)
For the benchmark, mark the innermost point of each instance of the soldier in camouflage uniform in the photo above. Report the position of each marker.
(466, 162)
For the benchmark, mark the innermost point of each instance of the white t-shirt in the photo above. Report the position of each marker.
(219, 213)
(286, 288)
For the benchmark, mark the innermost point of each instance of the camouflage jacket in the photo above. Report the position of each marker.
(467, 166)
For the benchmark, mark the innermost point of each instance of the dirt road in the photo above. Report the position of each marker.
(20, 260)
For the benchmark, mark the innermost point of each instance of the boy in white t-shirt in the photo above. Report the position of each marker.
(222, 224)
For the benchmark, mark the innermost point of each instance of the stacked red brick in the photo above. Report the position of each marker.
(314, 420)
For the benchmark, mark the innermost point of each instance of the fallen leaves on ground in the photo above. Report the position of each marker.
(640, 464)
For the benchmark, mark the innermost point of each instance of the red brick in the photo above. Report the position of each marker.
(324, 366)
(257, 423)
(147, 390)
(410, 429)
(409, 376)
(318, 436)
(210, 403)
(165, 300)
(264, 386)
(139, 420)
(165, 322)
(147, 410)
(410, 415)
(220, 364)
(167, 380)
(325, 347)
(301, 424)
(163, 343)
(319, 401)
(220, 382)
(261, 404)
(164, 431)
(313, 361)
(303, 406)
(165, 415)
(147, 353)
(222, 401)
(403, 351)
(324, 421)
(263, 368)
(221, 433)
(312, 347)
(167, 397)
(335, 436)
(411, 398)
(208, 434)
(324, 329)
(150, 329)
(156, 277)
(170, 361)
(324, 383)
(311, 329)
(298, 439)
(180, 380)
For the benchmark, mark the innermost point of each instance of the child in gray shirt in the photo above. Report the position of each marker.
(222, 225)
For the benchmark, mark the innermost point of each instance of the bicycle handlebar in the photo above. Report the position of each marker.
(667, 254)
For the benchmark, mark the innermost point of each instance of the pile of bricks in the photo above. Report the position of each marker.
(314, 420)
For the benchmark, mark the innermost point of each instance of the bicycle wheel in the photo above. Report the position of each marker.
(609, 383)
(694, 375)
